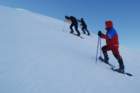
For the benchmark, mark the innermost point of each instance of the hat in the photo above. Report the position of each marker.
(109, 24)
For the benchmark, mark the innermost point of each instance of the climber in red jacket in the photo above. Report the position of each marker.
(112, 44)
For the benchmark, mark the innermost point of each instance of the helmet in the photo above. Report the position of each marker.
(109, 24)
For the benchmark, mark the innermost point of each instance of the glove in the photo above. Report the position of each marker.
(100, 33)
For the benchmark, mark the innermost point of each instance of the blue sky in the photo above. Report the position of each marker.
(124, 13)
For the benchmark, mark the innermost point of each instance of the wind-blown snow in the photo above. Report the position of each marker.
(38, 55)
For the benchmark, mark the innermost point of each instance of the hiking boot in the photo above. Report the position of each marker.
(104, 60)
(119, 70)
(78, 34)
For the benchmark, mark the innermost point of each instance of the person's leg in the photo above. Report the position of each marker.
(83, 29)
(71, 28)
(76, 29)
(118, 57)
(104, 50)
(87, 30)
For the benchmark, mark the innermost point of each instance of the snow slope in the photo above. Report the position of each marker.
(38, 55)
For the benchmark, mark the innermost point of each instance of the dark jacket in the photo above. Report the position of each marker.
(72, 19)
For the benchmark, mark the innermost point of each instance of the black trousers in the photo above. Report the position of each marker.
(76, 29)
(85, 30)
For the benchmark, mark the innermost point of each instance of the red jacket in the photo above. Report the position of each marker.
(111, 38)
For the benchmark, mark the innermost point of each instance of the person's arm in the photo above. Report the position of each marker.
(78, 20)
(100, 34)
(104, 36)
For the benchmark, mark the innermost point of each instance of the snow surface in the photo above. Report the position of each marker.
(38, 55)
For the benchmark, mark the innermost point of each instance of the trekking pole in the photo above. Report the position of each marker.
(100, 45)
(97, 49)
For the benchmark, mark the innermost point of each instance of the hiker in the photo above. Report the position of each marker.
(112, 44)
(74, 23)
(84, 26)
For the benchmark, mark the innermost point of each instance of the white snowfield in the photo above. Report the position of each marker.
(38, 55)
